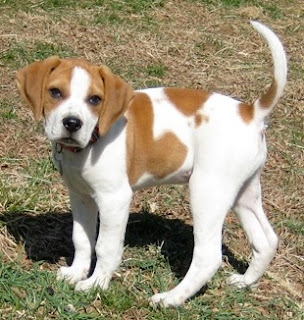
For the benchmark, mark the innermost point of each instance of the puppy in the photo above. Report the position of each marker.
(109, 140)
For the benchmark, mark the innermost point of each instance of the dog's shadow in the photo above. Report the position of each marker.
(48, 237)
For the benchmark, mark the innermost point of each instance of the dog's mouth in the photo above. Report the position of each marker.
(69, 142)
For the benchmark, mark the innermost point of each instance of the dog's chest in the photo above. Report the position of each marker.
(99, 167)
(74, 173)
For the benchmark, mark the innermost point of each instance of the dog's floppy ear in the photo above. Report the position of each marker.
(31, 82)
(117, 96)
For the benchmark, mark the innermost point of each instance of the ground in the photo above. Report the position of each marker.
(196, 43)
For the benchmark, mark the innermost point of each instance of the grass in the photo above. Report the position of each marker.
(20, 54)
(33, 291)
(8, 111)
(272, 9)
(199, 44)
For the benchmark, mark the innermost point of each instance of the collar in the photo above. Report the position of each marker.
(94, 138)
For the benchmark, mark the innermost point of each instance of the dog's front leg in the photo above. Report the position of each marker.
(114, 213)
(84, 229)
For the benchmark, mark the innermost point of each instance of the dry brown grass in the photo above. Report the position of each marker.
(200, 47)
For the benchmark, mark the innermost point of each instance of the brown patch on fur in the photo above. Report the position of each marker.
(246, 112)
(199, 118)
(266, 100)
(31, 82)
(59, 78)
(117, 96)
(188, 101)
(159, 157)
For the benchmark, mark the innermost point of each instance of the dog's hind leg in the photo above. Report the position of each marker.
(261, 236)
(211, 195)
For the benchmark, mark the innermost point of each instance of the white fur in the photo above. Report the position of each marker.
(223, 165)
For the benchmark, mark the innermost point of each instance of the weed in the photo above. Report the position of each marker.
(156, 70)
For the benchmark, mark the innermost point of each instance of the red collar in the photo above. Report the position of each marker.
(94, 138)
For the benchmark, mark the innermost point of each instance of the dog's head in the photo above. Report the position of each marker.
(73, 96)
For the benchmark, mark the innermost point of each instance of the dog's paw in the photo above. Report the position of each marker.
(241, 281)
(101, 281)
(72, 274)
(166, 299)
(237, 280)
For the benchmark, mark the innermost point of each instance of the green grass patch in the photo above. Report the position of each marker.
(273, 9)
(134, 6)
(130, 6)
(29, 186)
(110, 18)
(21, 54)
(155, 70)
(297, 137)
(294, 226)
(138, 14)
(38, 294)
(7, 111)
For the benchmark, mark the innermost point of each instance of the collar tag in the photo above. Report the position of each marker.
(58, 157)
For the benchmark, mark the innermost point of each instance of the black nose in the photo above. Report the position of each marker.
(72, 124)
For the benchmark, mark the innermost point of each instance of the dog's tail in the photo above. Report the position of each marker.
(264, 105)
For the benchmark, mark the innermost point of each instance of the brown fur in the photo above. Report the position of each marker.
(188, 101)
(266, 100)
(117, 96)
(31, 82)
(246, 112)
(199, 118)
(146, 155)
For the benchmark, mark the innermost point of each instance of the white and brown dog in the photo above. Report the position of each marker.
(109, 140)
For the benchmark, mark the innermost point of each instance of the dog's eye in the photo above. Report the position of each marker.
(94, 100)
(55, 93)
